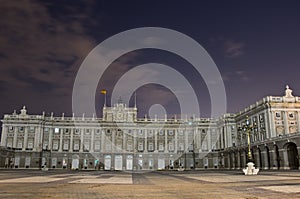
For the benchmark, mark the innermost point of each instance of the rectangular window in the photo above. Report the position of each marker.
(171, 132)
(86, 145)
(76, 145)
(161, 132)
(181, 146)
(20, 144)
(30, 143)
(11, 129)
(97, 146)
(171, 146)
(55, 145)
(66, 145)
(9, 142)
(31, 129)
(150, 147)
(140, 146)
(129, 146)
(161, 147)
(56, 130)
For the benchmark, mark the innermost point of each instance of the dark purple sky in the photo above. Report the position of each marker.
(255, 44)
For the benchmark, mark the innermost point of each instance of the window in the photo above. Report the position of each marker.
(140, 133)
(11, 129)
(140, 146)
(31, 129)
(291, 115)
(278, 115)
(20, 144)
(108, 132)
(66, 145)
(171, 132)
(97, 146)
(181, 132)
(56, 130)
(30, 143)
(9, 142)
(171, 146)
(86, 145)
(181, 146)
(77, 131)
(76, 145)
(55, 145)
(129, 146)
(150, 133)
(150, 146)
(161, 146)
(87, 131)
(161, 132)
(98, 131)
(21, 129)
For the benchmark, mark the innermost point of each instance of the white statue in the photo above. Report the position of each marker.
(250, 169)
(288, 91)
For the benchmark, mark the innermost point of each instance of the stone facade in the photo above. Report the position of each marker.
(121, 141)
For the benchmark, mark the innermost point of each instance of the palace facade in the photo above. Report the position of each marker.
(121, 141)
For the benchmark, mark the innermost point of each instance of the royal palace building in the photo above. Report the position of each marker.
(269, 129)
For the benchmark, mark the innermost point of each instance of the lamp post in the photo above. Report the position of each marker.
(247, 128)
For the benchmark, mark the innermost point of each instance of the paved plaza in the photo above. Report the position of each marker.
(189, 184)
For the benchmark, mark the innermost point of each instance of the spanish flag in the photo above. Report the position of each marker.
(103, 92)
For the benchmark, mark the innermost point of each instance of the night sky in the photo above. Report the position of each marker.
(255, 45)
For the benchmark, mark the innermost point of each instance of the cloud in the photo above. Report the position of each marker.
(39, 49)
(233, 49)
(238, 75)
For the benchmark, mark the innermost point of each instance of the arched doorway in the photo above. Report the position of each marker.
(292, 154)
(267, 161)
(277, 157)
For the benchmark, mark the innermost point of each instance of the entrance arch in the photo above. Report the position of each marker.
(292, 155)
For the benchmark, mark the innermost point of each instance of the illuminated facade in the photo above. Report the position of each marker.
(121, 141)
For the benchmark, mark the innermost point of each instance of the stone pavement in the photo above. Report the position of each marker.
(189, 184)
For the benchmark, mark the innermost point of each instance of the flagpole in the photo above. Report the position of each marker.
(135, 99)
(105, 99)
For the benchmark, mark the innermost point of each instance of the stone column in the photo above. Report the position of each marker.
(71, 140)
(113, 141)
(238, 160)
(209, 140)
(124, 137)
(92, 140)
(166, 141)
(102, 140)
(15, 137)
(4, 136)
(286, 123)
(61, 139)
(272, 131)
(145, 147)
(81, 140)
(25, 139)
(50, 138)
(264, 160)
(285, 159)
(155, 140)
(298, 121)
(273, 159)
(176, 140)
(186, 139)
(134, 141)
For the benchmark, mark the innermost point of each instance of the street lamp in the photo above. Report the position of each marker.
(247, 128)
